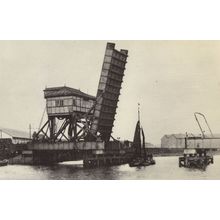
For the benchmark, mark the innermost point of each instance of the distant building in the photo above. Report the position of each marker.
(194, 141)
(17, 137)
(173, 141)
(149, 145)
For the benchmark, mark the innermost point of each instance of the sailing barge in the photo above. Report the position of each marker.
(140, 158)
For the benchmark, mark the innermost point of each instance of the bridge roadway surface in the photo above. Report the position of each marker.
(66, 146)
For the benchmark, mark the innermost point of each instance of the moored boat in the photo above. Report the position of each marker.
(3, 162)
(195, 158)
(138, 162)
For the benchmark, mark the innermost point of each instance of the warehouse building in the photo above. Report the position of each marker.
(193, 141)
(16, 137)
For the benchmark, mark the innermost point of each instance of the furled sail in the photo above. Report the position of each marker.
(137, 140)
(143, 144)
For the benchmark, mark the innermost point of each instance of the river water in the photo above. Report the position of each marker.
(166, 168)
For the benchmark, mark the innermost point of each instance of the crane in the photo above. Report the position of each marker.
(203, 132)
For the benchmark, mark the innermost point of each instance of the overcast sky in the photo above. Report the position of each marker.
(170, 79)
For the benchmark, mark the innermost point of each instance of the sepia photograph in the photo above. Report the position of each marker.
(109, 110)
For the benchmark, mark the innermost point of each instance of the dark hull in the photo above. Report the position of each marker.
(198, 162)
(141, 163)
(3, 163)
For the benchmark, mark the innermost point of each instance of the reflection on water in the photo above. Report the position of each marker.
(165, 168)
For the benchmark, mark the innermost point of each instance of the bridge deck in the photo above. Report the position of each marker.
(67, 146)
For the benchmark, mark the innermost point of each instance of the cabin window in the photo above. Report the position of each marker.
(50, 103)
(74, 102)
(67, 102)
(59, 103)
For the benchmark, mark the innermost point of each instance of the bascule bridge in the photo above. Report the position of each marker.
(79, 124)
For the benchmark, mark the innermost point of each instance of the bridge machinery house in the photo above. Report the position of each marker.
(69, 112)
(65, 100)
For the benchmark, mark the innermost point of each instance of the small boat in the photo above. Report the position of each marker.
(195, 158)
(149, 160)
(3, 162)
(138, 162)
(140, 158)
